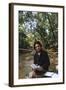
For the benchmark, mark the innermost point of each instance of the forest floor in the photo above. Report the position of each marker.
(26, 59)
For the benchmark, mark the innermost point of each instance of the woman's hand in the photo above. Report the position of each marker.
(39, 68)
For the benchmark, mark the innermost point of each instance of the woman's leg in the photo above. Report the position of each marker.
(32, 74)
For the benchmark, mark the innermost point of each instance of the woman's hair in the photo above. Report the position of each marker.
(37, 42)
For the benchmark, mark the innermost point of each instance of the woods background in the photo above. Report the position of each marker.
(33, 26)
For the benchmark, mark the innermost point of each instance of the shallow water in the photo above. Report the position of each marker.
(25, 60)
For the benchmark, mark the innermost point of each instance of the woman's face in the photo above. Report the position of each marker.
(38, 48)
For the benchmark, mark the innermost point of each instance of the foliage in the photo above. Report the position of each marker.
(23, 43)
(41, 26)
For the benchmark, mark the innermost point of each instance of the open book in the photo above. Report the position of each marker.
(34, 66)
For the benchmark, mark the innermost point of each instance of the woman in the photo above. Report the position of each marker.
(41, 59)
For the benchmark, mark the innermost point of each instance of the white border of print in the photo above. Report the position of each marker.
(60, 45)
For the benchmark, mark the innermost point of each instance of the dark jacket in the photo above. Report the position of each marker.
(42, 60)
